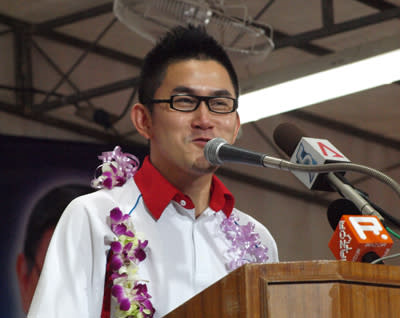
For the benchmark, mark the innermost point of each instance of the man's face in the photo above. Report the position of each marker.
(178, 138)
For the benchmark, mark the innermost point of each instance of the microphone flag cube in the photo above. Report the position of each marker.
(357, 235)
(315, 151)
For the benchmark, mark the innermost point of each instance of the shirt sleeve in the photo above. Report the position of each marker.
(71, 283)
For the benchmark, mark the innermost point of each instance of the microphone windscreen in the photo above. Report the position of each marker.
(287, 136)
(211, 150)
(338, 208)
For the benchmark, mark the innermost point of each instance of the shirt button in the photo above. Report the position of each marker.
(183, 202)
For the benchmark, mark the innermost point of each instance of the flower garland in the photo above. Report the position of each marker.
(246, 246)
(117, 167)
(127, 251)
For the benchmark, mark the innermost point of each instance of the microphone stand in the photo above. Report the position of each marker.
(353, 195)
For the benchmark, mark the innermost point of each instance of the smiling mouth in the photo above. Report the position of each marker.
(201, 140)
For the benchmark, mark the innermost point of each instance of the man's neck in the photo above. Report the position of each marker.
(196, 186)
(198, 190)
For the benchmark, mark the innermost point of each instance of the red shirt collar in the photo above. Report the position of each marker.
(157, 192)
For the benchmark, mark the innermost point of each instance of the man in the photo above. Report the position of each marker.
(184, 216)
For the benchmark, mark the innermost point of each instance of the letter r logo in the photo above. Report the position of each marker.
(362, 224)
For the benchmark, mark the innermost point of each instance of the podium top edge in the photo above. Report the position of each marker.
(325, 270)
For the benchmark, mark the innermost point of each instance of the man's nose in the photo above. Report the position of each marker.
(202, 116)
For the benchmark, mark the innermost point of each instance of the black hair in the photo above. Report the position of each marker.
(45, 215)
(181, 43)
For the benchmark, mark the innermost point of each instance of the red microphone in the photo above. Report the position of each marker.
(359, 235)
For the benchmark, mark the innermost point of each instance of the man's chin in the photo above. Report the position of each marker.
(203, 166)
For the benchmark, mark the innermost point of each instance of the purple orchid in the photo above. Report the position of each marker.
(139, 251)
(126, 252)
(116, 247)
(125, 304)
(116, 262)
(246, 246)
(143, 297)
(116, 169)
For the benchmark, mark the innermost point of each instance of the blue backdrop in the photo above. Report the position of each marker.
(30, 168)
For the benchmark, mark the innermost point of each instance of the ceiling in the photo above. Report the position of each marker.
(60, 58)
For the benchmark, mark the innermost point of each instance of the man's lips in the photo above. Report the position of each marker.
(201, 140)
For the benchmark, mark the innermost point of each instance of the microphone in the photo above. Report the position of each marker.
(314, 151)
(360, 238)
(336, 210)
(217, 151)
(310, 151)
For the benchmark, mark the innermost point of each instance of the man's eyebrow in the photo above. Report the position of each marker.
(183, 89)
(222, 92)
(190, 91)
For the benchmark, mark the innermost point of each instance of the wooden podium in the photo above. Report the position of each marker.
(311, 289)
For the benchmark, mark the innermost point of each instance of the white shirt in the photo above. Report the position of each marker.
(184, 254)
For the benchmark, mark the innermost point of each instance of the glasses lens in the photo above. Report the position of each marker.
(184, 103)
(221, 104)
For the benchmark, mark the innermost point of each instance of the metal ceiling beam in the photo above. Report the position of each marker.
(22, 60)
(5, 32)
(62, 124)
(97, 49)
(12, 22)
(346, 128)
(23, 68)
(300, 41)
(306, 47)
(306, 37)
(45, 30)
(70, 40)
(327, 13)
(80, 59)
(85, 95)
(75, 17)
(378, 4)
(58, 70)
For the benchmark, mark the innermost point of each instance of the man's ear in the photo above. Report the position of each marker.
(141, 119)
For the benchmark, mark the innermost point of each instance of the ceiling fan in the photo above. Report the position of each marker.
(227, 21)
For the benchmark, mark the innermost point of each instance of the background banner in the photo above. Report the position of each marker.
(30, 170)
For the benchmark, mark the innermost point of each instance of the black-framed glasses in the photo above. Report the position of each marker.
(189, 103)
